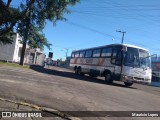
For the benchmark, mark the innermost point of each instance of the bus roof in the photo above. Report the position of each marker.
(127, 45)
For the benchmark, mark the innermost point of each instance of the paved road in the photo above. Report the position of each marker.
(62, 90)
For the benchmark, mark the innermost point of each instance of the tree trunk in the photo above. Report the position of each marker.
(35, 57)
(23, 54)
(8, 3)
(25, 39)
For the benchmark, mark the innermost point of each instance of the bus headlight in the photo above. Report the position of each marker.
(125, 77)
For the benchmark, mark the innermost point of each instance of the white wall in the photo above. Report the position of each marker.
(18, 45)
(10, 52)
(7, 51)
(40, 59)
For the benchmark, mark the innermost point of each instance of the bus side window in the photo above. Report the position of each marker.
(88, 54)
(119, 57)
(82, 53)
(114, 53)
(116, 57)
(106, 52)
(72, 55)
(77, 54)
(96, 53)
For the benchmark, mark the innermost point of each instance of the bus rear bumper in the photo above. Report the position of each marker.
(131, 79)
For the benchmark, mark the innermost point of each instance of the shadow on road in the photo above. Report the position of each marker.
(73, 75)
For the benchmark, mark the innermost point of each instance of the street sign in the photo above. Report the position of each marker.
(50, 54)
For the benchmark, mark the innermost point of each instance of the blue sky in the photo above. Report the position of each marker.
(94, 23)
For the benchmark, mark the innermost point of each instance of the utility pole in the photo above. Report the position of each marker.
(123, 32)
(66, 52)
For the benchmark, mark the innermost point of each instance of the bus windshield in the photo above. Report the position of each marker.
(136, 58)
(144, 58)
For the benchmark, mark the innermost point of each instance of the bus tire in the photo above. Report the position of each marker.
(79, 71)
(75, 69)
(108, 78)
(128, 84)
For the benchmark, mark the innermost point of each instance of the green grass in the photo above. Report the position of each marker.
(13, 65)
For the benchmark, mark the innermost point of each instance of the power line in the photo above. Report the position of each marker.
(90, 29)
(137, 27)
(116, 14)
(116, 7)
(94, 10)
(90, 12)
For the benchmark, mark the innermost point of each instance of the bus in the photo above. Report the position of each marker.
(119, 62)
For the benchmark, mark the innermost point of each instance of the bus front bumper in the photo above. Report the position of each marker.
(131, 79)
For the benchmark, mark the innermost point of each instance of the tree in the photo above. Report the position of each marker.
(32, 17)
(31, 26)
(6, 39)
(7, 17)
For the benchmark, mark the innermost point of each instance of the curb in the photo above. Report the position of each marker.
(48, 110)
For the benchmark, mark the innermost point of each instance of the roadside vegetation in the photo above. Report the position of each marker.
(13, 65)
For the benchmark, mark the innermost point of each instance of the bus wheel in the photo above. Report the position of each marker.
(108, 78)
(128, 84)
(75, 70)
(79, 72)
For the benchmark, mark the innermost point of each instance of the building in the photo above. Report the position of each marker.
(12, 52)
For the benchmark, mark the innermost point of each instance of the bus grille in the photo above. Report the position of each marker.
(138, 78)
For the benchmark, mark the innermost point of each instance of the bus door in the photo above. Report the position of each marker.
(116, 60)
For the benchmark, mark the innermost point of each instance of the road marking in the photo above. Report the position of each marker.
(7, 80)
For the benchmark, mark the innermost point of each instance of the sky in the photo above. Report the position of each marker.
(94, 23)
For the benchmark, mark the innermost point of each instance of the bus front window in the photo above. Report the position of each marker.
(131, 57)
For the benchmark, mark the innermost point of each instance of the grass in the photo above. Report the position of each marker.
(13, 65)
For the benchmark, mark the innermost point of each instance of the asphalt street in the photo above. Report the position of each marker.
(62, 90)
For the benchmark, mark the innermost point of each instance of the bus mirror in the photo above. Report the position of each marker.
(156, 56)
(124, 48)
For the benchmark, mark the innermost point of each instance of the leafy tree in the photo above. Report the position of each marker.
(31, 26)
(7, 17)
(6, 39)
(37, 39)
(31, 17)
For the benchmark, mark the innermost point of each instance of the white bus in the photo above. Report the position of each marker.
(119, 62)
